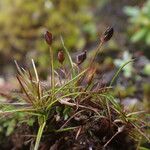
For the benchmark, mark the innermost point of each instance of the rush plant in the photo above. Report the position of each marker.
(72, 90)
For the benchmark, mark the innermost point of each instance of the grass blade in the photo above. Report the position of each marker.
(68, 55)
(70, 81)
(117, 73)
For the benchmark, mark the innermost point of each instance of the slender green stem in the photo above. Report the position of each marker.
(39, 135)
(52, 68)
(65, 129)
(26, 110)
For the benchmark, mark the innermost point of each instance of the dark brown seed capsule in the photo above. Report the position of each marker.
(107, 34)
(61, 56)
(81, 57)
(48, 37)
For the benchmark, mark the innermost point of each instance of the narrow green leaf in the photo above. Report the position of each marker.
(68, 55)
(70, 81)
(120, 69)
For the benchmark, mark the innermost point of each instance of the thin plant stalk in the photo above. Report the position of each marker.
(119, 131)
(39, 135)
(96, 53)
(52, 68)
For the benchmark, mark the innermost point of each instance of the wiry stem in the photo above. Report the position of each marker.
(52, 68)
(96, 53)
(120, 129)
(39, 135)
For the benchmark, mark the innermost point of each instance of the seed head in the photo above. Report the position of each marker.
(107, 34)
(61, 56)
(81, 57)
(48, 37)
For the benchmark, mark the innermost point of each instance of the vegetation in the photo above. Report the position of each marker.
(74, 110)
(140, 22)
